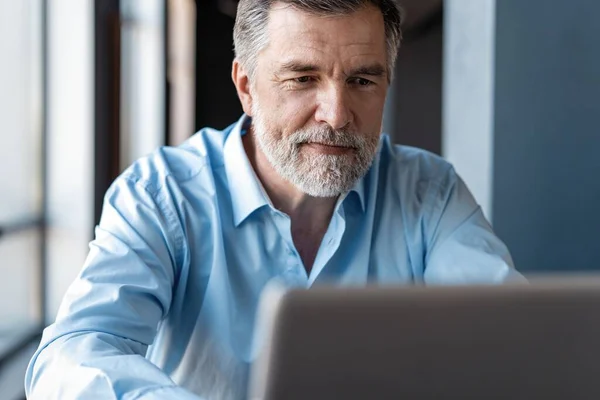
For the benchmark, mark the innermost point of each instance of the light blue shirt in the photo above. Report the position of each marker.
(164, 307)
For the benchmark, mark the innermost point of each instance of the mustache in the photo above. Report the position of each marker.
(327, 136)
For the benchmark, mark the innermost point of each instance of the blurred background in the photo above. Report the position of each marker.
(507, 90)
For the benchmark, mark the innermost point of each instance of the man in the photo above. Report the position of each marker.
(303, 189)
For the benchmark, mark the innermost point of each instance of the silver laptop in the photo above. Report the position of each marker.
(539, 341)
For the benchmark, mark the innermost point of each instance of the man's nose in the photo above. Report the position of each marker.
(333, 107)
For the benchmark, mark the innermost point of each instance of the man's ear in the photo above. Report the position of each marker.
(242, 85)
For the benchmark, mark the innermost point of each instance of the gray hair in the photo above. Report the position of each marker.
(250, 35)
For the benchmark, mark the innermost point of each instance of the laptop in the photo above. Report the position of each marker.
(539, 341)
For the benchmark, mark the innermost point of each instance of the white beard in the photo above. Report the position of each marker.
(318, 175)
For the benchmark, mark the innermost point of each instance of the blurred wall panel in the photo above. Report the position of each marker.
(414, 107)
(143, 77)
(217, 104)
(468, 128)
(522, 89)
(547, 133)
(70, 143)
(181, 69)
(20, 110)
(21, 169)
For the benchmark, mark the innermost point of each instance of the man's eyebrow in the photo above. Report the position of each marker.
(377, 70)
(297, 66)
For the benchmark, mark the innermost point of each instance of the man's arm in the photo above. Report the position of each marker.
(461, 246)
(110, 313)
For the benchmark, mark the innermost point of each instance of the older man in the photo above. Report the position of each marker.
(303, 188)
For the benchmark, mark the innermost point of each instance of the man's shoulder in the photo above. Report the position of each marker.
(415, 179)
(412, 164)
(200, 154)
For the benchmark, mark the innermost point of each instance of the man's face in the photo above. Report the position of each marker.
(318, 96)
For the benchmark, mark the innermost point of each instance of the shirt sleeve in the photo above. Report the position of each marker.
(109, 316)
(461, 245)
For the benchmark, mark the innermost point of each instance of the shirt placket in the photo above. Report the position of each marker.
(330, 243)
(294, 272)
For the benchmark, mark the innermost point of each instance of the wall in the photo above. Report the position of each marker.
(547, 133)
(414, 113)
(217, 104)
(468, 116)
(530, 134)
(70, 144)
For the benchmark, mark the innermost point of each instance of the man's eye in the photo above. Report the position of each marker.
(303, 79)
(363, 82)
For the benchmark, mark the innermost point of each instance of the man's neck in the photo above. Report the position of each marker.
(310, 214)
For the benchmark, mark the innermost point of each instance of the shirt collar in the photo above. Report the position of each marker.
(359, 189)
(247, 193)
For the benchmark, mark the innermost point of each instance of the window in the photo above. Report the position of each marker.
(142, 78)
(22, 188)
